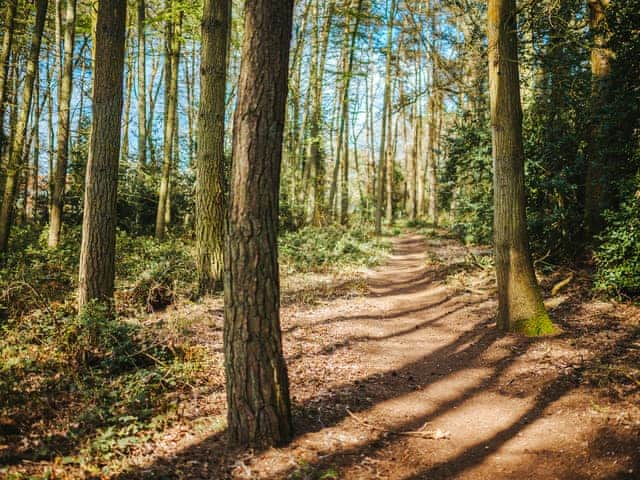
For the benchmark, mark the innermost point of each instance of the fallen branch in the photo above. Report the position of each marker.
(560, 285)
(421, 433)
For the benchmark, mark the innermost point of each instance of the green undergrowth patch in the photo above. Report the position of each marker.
(150, 275)
(85, 389)
(331, 248)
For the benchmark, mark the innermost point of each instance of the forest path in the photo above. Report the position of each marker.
(413, 381)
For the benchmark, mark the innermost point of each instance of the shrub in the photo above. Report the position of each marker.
(323, 249)
(618, 257)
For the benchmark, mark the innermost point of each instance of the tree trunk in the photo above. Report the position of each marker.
(127, 103)
(142, 86)
(350, 38)
(259, 412)
(432, 177)
(601, 58)
(15, 162)
(98, 249)
(520, 306)
(172, 64)
(210, 187)
(5, 54)
(64, 120)
(382, 163)
(316, 150)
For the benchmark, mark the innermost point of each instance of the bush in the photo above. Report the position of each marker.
(618, 257)
(152, 275)
(332, 247)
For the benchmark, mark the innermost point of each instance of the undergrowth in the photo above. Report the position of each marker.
(330, 248)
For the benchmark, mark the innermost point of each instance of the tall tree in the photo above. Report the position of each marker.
(520, 306)
(5, 53)
(98, 248)
(348, 54)
(64, 119)
(601, 59)
(142, 84)
(382, 158)
(259, 410)
(171, 111)
(16, 157)
(315, 146)
(210, 187)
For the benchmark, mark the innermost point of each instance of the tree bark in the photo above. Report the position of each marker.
(210, 188)
(520, 306)
(15, 162)
(259, 412)
(98, 248)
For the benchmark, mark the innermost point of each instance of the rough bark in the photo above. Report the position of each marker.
(16, 158)
(64, 120)
(520, 306)
(210, 188)
(98, 248)
(259, 412)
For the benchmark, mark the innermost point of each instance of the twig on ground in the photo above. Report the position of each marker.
(421, 433)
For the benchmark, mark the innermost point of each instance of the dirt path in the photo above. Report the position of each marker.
(412, 381)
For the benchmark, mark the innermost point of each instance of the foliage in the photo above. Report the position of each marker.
(618, 257)
(467, 182)
(103, 382)
(331, 247)
(151, 274)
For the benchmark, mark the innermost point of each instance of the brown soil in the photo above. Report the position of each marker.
(413, 381)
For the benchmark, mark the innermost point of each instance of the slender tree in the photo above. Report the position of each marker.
(142, 84)
(520, 306)
(16, 157)
(171, 112)
(382, 158)
(210, 187)
(98, 248)
(64, 120)
(601, 60)
(5, 54)
(259, 411)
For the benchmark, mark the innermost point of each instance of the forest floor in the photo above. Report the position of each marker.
(402, 374)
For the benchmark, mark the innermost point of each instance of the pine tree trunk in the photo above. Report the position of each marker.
(259, 412)
(15, 162)
(98, 249)
(210, 188)
(520, 306)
